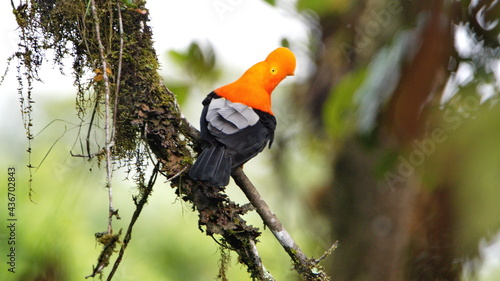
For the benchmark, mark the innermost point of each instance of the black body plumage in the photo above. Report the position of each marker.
(234, 133)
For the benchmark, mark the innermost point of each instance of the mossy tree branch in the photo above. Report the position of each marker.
(120, 52)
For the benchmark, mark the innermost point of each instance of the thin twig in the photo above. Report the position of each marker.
(139, 206)
(328, 252)
(268, 216)
(107, 123)
(174, 176)
(119, 72)
(303, 265)
(87, 140)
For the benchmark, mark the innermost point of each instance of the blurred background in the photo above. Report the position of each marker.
(387, 141)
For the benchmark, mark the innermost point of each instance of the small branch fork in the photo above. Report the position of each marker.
(307, 268)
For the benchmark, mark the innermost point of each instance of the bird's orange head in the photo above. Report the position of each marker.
(282, 60)
(255, 86)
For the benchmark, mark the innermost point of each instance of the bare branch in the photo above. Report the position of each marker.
(119, 72)
(139, 206)
(108, 123)
(328, 252)
(89, 131)
(306, 267)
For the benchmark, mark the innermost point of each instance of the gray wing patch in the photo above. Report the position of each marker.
(228, 117)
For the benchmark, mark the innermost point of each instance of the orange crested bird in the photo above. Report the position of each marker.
(237, 121)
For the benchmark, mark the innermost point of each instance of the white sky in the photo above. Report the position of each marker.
(242, 33)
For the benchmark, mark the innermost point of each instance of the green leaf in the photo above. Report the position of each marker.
(339, 111)
(270, 2)
(196, 61)
(322, 7)
(181, 92)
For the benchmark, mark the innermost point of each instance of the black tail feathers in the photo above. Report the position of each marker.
(212, 166)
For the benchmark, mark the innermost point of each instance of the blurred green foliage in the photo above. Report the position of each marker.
(270, 2)
(468, 160)
(197, 64)
(379, 41)
(325, 7)
(340, 110)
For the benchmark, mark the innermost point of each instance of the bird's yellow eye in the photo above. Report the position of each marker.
(274, 70)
